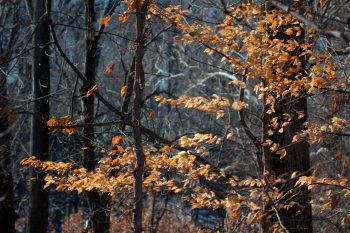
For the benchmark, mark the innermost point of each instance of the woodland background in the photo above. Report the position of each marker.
(83, 63)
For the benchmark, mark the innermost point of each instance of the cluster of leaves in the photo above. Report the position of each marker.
(316, 132)
(243, 198)
(217, 104)
(267, 46)
(61, 123)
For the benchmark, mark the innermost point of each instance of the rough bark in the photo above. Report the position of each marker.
(299, 217)
(38, 209)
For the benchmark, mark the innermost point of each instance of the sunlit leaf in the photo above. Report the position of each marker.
(124, 90)
(105, 20)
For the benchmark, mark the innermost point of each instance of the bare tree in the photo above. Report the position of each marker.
(38, 210)
(99, 203)
(7, 43)
(98, 218)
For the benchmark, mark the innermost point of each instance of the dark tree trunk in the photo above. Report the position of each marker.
(7, 209)
(98, 203)
(38, 209)
(88, 101)
(299, 217)
(7, 212)
(139, 84)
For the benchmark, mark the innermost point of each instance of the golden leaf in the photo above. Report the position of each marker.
(289, 31)
(285, 57)
(274, 147)
(220, 114)
(177, 190)
(123, 17)
(66, 121)
(166, 148)
(177, 37)
(239, 105)
(154, 149)
(230, 136)
(79, 189)
(105, 20)
(60, 187)
(48, 183)
(124, 90)
(299, 31)
(52, 122)
(152, 114)
(237, 82)
(116, 140)
(294, 174)
(109, 69)
(282, 153)
(256, 10)
(121, 149)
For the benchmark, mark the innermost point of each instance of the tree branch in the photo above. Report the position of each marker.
(76, 70)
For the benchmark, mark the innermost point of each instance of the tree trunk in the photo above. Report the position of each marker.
(299, 217)
(7, 209)
(7, 212)
(139, 84)
(98, 203)
(38, 209)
